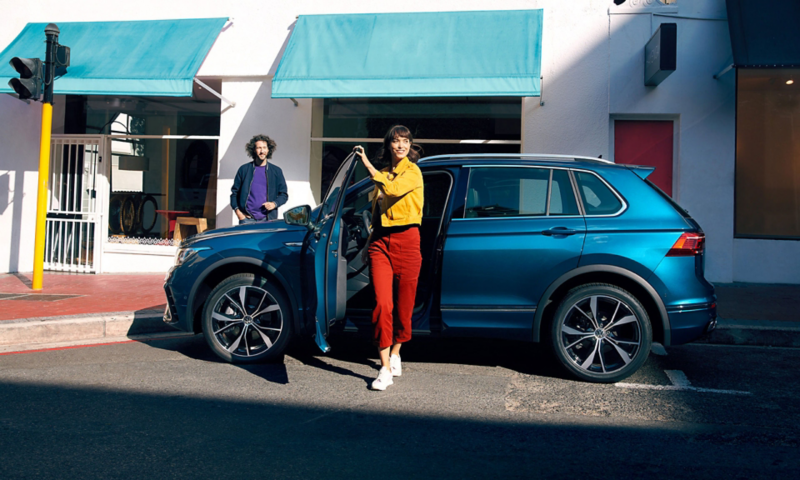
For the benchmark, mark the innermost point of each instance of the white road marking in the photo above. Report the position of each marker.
(678, 378)
(679, 383)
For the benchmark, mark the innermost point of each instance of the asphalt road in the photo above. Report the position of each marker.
(462, 409)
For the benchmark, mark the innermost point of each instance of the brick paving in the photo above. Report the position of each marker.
(79, 294)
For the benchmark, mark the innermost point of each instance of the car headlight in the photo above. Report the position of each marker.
(186, 253)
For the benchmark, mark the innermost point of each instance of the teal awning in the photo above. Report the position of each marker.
(488, 53)
(153, 58)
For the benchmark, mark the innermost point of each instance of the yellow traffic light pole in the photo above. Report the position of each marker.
(41, 199)
(52, 32)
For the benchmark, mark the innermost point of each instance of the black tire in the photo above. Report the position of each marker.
(114, 207)
(239, 337)
(601, 333)
(146, 227)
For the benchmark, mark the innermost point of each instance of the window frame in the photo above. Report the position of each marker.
(573, 180)
(736, 234)
(547, 214)
(623, 203)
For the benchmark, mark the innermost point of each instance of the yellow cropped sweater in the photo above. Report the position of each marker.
(401, 203)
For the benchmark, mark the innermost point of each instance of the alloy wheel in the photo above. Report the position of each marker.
(601, 334)
(246, 321)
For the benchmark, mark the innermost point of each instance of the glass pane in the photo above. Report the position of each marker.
(562, 198)
(437, 187)
(171, 185)
(492, 118)
(597, 198)
(768, 153)
(504, 192)
(332, 196)
(334, 153)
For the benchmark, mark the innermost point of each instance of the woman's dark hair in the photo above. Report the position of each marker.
(250, 148)
(398, 131)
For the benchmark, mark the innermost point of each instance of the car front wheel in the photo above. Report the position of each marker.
(601, 333)
(246, 319)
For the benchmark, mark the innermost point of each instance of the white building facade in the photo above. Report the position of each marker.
(593, 102)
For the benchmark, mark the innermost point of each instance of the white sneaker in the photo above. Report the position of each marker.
(397, 367)
(384, 379)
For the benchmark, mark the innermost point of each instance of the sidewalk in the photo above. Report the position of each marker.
(80, 309)
(757, 314)
(87, 309)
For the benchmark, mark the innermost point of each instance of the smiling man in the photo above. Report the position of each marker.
(258, 188)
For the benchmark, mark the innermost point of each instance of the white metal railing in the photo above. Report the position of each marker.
(73, 241)
(69, 245)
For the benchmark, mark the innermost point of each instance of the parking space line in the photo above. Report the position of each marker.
(679, 383)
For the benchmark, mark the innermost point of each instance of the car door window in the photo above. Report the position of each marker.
(507, 192)
(597, 197)
(562, 197)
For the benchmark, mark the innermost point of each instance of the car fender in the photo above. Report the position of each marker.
(588, 269)
(264, 265)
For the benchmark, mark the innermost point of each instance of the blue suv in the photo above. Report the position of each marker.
(583, 254)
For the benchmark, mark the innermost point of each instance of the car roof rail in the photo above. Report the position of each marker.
(522, 156)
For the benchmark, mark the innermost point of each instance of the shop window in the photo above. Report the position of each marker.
(440, 126)
(155, 178)
(767, 195)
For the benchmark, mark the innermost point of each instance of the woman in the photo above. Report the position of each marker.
(393, 247)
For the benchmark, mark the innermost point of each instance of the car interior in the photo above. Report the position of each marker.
(357, 219)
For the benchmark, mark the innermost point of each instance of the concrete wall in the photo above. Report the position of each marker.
(703, 107)
(20, 126)
(288, 125)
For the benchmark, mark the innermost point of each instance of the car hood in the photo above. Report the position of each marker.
(275, 226)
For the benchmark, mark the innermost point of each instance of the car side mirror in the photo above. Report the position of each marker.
(298, 215)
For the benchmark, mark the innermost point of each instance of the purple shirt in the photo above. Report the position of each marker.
(258, 194)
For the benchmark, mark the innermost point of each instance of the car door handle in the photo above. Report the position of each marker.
(559, 231)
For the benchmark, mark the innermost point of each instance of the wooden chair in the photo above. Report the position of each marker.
(181, 224)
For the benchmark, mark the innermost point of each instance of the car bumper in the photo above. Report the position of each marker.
(172, 315)
(690, 322)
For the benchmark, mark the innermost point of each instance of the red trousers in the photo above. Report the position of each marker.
(395, 260)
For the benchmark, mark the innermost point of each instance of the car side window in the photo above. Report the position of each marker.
(597, 198)
(436, 191)
(507, 192)
(562, 197)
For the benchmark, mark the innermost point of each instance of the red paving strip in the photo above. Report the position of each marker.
(106, 293)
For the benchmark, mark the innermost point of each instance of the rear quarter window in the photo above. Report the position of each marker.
(597, 198)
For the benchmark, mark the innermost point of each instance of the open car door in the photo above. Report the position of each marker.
(324, 250)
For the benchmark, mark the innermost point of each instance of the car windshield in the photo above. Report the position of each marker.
(334, 190)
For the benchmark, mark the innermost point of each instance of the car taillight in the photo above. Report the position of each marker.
(687, 245)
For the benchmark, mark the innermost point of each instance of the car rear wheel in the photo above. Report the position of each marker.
(246, 319)
(601, 333)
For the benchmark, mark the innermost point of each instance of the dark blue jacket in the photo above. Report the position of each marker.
(276, 188)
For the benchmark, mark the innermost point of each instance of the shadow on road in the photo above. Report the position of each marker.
(64, 431)
(521, 357)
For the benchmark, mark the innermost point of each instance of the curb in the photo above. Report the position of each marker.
(50, 330)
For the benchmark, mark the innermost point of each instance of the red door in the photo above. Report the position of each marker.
(646, 142)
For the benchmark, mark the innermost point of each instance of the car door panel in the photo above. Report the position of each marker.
(500, 258)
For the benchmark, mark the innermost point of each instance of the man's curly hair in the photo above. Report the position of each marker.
(250, 148)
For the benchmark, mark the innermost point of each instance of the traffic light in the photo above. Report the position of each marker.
(62, 60)
(29, 83)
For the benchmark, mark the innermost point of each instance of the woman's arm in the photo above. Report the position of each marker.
(401, 185)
